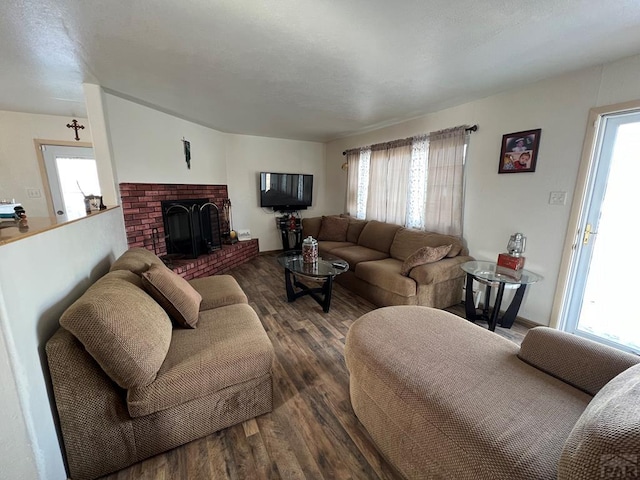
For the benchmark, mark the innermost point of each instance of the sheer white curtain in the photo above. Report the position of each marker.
(363, 184)
(388, 182)
(443, 211)
(417, 191)
(353, 179)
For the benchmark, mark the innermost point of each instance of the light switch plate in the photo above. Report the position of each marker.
(557, 198)
(34, 193)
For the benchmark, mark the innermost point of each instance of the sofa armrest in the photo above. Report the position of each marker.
(96, 427)
(218, 291)
(440, 271)
(580, 362)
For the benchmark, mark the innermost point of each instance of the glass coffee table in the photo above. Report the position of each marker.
(324, 270)
(489, 274)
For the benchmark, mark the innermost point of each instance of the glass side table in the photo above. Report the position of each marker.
(489, 274)
(325, 270)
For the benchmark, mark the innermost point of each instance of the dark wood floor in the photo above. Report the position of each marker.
(312, 431)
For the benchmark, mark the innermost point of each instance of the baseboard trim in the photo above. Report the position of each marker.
(525, 322)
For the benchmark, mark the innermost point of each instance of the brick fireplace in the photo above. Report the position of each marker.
(142, 209)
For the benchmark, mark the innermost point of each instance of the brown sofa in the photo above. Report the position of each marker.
(136, 386)
(444, 398)
(376, 251)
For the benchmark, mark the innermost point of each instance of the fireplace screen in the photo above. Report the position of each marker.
(191, 227)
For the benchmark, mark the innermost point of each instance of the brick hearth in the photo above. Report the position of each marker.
(219, 261)
(141, 206)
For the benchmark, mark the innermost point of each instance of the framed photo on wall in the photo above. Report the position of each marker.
(519, 152)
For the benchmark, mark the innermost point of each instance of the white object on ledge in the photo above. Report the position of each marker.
(244, 235)
(7, 209)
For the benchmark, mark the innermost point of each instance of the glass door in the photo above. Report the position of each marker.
(601, 303)
(72, 174)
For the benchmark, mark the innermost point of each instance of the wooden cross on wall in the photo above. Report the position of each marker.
(76, 126)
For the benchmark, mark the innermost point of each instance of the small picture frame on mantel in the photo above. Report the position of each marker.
(519, 152)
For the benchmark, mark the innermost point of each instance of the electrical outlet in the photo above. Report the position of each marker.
(34, 193)
(244, 234)
(557, 198)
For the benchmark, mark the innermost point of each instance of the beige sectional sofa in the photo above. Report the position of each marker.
(376, 252)
(443, 398)
(129, 385)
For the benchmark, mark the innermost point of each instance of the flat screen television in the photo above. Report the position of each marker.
(285, 191)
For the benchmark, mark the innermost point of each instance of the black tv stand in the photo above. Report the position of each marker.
(291, 235)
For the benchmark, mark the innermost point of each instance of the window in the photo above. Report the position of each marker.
(390, 182)
(416, 184)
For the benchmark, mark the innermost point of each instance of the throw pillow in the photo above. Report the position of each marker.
(136, 260)
(179, 299)
(355, 229)
(122, 328)
(423, 256)
(333, 229)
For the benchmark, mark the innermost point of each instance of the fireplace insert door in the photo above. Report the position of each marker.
(192, 227)
(210, 227)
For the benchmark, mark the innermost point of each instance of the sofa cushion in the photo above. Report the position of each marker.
(356, 254)
(580, 362)
(407, 241)
(355, 229)
(218, 291)
(386, 275)
(378, 235)
(178, 298)
(422, 256)
(136, 260)
(333, 229)
(440, 271)
(122, 327)
(327, 247)
(311, 227)
(229, 347)
(605, 441)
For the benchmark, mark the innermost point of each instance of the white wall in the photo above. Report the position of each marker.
(147, 148)
(18, 460)
(94, 100)
(40, 277)
(18, 161)
(247, 156)
(499, 205)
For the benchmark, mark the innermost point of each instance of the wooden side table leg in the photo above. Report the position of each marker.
(327, 288)
(469, 305)
(496, 308)
(511, 313)
(487, 302)
(291, 296)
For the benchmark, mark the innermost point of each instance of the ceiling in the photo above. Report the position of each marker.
(298, 69)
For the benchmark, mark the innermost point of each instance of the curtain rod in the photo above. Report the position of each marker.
(471, 129)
